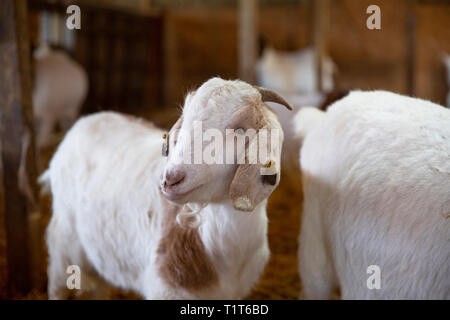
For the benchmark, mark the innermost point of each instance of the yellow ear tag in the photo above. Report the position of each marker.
(269, 174)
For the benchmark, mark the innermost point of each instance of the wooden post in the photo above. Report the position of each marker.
(248, 39)
(411, 53)
(321, 13)
(18, 176)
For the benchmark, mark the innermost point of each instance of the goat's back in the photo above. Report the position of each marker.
(61, 85)
(104, 180)
(378, 170)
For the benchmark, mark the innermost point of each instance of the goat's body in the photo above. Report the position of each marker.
(294, 75)
(376, 179)
(107, 216)
(61, 86)
(293, 72)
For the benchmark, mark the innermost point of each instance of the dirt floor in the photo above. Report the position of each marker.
(280, 279)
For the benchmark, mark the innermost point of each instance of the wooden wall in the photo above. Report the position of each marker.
(369, 59)
(201, 43)
(19, 208)
(433, 34)
(120, 47)
(122, 53)
(146, 61)
(198, 44)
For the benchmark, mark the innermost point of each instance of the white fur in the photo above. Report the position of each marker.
(60, 87)
(294, 76)
(376, 179)
(306, 120)
(107, 207)
(293, 72)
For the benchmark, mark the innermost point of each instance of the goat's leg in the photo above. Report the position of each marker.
(59, 261)
(315, 268)
(67, 262)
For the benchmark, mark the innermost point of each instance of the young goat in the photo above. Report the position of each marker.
(294, 76)
(111, 213)
(293, 73)
(60, 87)
(376, 181)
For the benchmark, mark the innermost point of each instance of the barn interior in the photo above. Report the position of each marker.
(141, 57)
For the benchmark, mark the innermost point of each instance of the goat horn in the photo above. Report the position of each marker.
(271, 96)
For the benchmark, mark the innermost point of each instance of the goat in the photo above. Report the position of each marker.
(294, 76)
(116, 201)
(293, 73)
(376, 180)
(60, 87)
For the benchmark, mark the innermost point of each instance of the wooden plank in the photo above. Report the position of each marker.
(248, 39)
(411, 52)
(321, 23)
(17, 144)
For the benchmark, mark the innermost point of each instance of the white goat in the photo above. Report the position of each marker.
(111, 215)
(294, 76)
(293, 72)
(376, 181)
(60, 87)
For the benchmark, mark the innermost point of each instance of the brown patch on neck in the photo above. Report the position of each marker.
(183, 262)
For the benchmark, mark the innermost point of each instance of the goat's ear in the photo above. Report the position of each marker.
(174, 133)
(268, 95)
(177, 125)
(252, 183)
(176, 128)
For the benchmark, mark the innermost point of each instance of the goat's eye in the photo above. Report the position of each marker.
(239, 130)
(165, 146)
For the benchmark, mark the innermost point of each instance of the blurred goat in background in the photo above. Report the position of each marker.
(60, 88)
(294, 76)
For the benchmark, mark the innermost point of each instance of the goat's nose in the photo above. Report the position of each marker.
(174, 177)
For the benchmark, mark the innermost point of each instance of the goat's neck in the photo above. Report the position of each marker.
(228, 233)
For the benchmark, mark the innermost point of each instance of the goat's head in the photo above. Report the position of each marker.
(217, 118)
